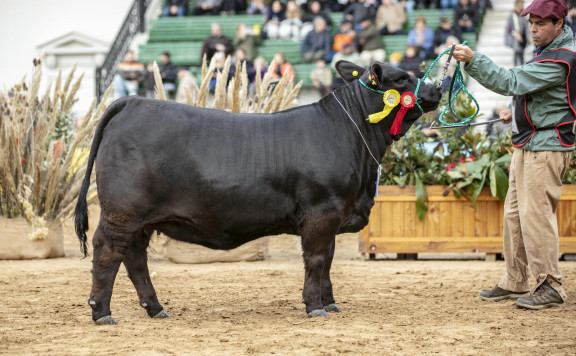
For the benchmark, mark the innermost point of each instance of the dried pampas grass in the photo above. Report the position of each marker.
(42, 155)
(234, 95)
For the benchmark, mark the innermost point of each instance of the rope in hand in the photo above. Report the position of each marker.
(457, 80)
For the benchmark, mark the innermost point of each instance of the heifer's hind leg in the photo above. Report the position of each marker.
(109, 251)
(317, 247)
(136, 263)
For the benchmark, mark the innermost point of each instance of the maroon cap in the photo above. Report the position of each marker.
(547, 9)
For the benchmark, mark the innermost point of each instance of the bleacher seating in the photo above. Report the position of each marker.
(183, 37)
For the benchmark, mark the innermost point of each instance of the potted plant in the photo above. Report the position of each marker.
(448, 196)
(42, 158)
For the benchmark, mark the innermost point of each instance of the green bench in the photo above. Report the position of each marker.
(432, 16)
(291, 50)
(182, 53)
(196, 28)
(302, 73)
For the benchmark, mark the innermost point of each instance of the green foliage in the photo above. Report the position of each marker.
(465, 164)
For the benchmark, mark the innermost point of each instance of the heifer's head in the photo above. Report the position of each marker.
(404, 98)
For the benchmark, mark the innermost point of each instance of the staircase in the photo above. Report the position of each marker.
(491, 43)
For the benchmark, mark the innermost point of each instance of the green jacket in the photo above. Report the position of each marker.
(545, 84)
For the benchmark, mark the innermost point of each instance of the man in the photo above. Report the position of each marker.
(168, 72)
(517, 32)
(129, 74)
(316, 44)
(543, 133)
(217, 42)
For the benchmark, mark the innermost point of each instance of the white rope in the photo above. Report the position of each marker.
(357, 128)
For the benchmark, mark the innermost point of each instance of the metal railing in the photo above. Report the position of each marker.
(133, 23)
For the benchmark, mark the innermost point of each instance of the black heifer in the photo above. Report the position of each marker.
(220, 179)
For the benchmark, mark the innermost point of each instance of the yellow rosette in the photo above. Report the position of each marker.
(391, 99)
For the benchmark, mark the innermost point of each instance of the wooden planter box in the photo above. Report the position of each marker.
(15, 243)
(451, 225)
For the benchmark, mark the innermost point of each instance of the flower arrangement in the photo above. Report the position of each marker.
(42, 150)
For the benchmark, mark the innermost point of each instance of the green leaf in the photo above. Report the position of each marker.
(493, 188)
(504, 159)
(421, 198)
(501, 183)
(478, 188)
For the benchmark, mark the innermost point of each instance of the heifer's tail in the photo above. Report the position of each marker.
(81, 211)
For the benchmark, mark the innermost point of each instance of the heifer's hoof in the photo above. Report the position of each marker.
(318, 312)
(161, 315)
(333, 308)
(106, 320)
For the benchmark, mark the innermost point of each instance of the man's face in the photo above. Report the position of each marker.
(544, 31)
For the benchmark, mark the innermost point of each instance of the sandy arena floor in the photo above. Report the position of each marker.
(388, 307)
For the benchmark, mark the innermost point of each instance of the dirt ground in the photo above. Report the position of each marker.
(254, 308)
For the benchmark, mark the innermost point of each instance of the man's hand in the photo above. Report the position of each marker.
(506, 116)
(463, 53)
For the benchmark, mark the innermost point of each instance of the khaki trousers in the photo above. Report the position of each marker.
(530, 226)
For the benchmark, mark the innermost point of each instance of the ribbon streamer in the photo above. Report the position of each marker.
(407, 101)
(391, 99)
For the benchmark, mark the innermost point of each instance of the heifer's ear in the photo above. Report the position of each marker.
(349, 71)
(377, 72)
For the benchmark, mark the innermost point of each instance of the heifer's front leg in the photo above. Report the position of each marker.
(109, 251)
(316, 248)
(136, 263)
(327, 295)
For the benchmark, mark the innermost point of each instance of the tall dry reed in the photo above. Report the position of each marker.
(235, 95)
(42, 163)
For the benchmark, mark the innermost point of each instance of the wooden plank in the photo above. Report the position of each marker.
(457, 219)
(385, 218)
(493, 219)
(411, 220)
(396, 220)
(449, 244)
(480, 219)
(436, 244)
(445, 219)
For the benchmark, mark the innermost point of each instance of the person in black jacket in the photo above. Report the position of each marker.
(466, 16)
(217, 42)
(168, 72)
(445, 30)
(177, 8)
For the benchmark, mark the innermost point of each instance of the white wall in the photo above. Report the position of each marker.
(25, 24)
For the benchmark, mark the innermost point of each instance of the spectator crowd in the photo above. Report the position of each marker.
(357, 37)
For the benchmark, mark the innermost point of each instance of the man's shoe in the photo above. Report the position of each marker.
(543, 297)
(497, 294)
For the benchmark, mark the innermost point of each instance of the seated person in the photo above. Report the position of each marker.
(280, 66)
(412, 61)
(275, 16)
(168, 72)
(390, 18)
(314, 10)
(321, 77)
(445, 30)
(465, 16)
(370, 43)
(291, 25)
(187, 85)
(129, 74)
(422, 36)
(345, 35)
(177, 8)
(217, 42)
(207, 7)
(316, 44)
